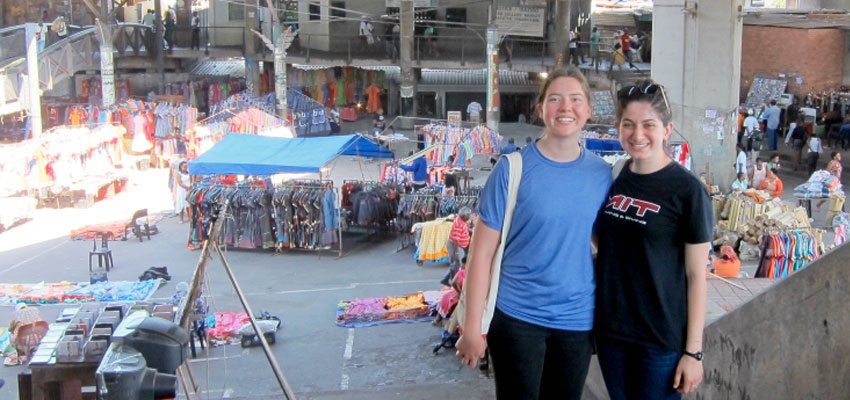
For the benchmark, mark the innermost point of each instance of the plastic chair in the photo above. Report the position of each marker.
(103, 253)
(28, 338)
(136, 227)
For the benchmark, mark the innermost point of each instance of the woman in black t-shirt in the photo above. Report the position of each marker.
(654, 233)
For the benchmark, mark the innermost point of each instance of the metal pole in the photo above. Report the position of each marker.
(287, 391)
(33, 89)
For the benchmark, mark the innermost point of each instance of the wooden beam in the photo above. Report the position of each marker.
(93, 9)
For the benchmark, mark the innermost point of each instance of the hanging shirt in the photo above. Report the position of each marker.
(474, 109)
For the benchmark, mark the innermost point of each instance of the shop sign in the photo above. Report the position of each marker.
(416, 3)
(454, 118)
(533, 3)
(521, 21)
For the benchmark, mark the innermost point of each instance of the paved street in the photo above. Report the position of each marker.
(303, 288)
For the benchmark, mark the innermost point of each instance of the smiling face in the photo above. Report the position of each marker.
(565, 108)
(642, 133)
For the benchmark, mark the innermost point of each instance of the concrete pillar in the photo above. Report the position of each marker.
(184, 22)
(252, 70)
(107, 67)
(33, 105)
(280, 73)
(493, 114)
(158, 37)
(562, 32)
(696, 54)
(408, 79)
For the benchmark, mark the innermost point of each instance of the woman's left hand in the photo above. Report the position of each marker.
(688, 375)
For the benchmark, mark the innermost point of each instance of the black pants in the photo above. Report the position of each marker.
(812, 161)
(535, 362)
(196, 38)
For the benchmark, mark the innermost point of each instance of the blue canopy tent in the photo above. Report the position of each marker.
(239, 154)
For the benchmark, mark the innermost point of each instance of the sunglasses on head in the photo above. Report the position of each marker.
(636, 92)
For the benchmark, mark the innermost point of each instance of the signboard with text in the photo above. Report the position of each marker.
(416, 3)
(521, 21)
(454, 117)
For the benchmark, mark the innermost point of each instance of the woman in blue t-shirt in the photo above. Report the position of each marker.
(654, 234)
(539, 337)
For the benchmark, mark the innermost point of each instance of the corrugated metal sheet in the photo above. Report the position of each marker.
(615, 19)
(473, 78)
(219, 68)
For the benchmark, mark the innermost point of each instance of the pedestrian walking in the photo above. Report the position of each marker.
(595, 40)
(170, 27)
(771, 118)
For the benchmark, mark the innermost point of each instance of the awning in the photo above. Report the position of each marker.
(239, 154)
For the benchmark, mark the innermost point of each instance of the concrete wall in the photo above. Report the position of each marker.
(815, 55)
(697, 57)
(835, 4)
(790, 342)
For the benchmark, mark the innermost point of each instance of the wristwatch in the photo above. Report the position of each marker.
(698, 355)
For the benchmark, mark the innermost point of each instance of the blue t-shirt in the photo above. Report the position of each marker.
(419, 167)
(547, 274)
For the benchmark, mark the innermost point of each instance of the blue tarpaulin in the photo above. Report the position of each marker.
(239, 154)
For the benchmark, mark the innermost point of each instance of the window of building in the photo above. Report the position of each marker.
(315, 12)
(456, 15)
(235, 12)
(335, 11)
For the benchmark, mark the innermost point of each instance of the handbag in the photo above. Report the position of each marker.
(514, 177)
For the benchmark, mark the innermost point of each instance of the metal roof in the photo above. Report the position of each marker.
(219, 68)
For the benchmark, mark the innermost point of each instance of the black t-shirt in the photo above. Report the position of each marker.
(799, 133)
(641, 289)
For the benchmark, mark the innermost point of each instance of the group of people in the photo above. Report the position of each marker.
(762, 175)
(591, 259)
(169, 22)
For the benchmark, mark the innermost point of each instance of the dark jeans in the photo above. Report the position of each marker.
(535, 362)
(771, 137)
(196, 38)
(632, 371)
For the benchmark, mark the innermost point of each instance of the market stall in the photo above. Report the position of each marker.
(306, 212)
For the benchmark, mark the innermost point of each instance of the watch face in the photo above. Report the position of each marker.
(698, 356)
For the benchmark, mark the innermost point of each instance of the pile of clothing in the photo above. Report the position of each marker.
(371, 311)
(820, 184)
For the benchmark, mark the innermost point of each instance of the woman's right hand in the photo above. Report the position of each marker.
(470, 349)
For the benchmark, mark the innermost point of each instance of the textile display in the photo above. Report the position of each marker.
(60, 158)
(47, 293)
(205, 135)
(91, 91)
(307, 116)
(369, 204)
(431, 245)
(785, 252)
(424, 206)
(114, 291)
(116, 228)
(292, 215)
(339, 86)
(410, 308)
(821, 184)
(463, 143)
(10, 292)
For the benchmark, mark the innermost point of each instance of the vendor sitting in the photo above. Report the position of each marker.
(728, 265)
(419, 167)
(741, 184)
(772, 184)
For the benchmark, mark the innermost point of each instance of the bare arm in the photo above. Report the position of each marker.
(689, 372)
(485, 242)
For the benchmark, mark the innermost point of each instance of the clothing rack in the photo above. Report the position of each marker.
(297, 216)
(787, 250)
